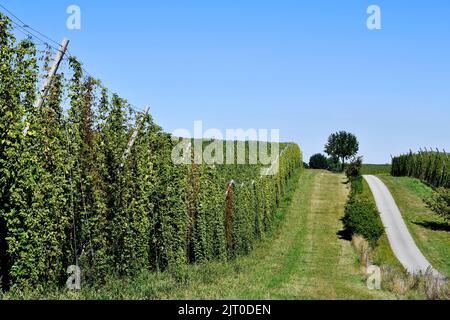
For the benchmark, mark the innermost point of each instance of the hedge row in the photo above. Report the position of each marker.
(432, 167)
(361, 214)
(67, 197)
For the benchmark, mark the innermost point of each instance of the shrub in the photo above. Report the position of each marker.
(334, 164)
(357, 185)
(318, 161)
(354, 168)
(362, 218)
(439, 202)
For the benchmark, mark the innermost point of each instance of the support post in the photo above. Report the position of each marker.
(48, 81)
(134, 137)
(229, 218)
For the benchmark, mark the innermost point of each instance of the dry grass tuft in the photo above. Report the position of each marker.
(363, 248)
(400, 282)
(426, 285)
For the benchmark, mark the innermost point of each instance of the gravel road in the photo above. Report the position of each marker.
(398, 234)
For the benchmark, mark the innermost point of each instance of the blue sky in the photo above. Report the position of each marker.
(308, 68)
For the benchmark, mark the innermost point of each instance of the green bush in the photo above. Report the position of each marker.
(357, 185)
(334, 165)
(354, 168)
(318, 161)
(362, 218)
(439, 202)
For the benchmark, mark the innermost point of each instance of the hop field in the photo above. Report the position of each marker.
(429, 166)
(92, 183)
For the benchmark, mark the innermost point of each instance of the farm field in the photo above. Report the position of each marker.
(110, 191)
(376, 169)
(429, 166)
(430, 232)
(303, 258)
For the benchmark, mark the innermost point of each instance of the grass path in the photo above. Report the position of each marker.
(305, 259)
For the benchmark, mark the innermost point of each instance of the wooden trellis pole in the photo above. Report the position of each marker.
(48, 81)
(134, 137)
(229, 217)
(230, 187)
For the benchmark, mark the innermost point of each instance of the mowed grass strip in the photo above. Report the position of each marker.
(430, 232)
(328, 269)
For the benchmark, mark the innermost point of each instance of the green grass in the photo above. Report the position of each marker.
(430, 232)
(303, 258)
(376, 169)
(366, 191)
